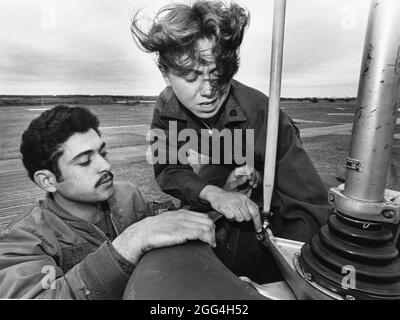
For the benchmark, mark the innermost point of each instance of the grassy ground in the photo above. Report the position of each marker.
(141, 173)
(328, 153)
(14, 120)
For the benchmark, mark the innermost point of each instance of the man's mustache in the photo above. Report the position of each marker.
(105, 176)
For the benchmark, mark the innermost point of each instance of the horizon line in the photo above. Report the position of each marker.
(144, 95)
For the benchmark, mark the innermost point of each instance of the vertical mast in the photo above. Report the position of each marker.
(377, 104)
(278, 35)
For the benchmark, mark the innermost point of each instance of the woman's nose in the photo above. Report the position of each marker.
(206, 89)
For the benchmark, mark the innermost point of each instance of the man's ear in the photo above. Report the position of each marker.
(46, 180)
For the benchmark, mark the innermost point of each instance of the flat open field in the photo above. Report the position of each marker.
(325, 129)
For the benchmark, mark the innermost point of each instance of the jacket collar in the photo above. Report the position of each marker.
(72, 220)
(173, 108)
(232, 112)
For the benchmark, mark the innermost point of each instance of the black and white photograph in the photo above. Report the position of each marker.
(208, 152)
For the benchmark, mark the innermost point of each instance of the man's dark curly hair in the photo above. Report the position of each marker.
(177, 29)
(41, 142)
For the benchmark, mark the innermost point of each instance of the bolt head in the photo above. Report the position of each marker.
(331, 197)
(308, 276)
(388, 214)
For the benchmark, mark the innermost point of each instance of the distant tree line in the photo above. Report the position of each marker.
(315, 99)
(8, 100)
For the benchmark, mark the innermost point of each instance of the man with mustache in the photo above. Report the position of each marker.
(84, 240)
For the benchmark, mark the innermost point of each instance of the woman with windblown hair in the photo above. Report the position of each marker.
(198, 55)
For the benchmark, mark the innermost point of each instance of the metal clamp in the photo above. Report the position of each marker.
(386, 211)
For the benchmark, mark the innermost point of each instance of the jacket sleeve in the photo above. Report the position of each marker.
(174, 177)
(299, 203)
(29, 269)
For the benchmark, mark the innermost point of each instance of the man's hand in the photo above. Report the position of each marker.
(166, 229)
(243, 179)
(233, 205)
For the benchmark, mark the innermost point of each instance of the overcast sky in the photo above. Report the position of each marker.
(85, 47)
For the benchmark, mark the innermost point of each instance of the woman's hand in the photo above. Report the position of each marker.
(233, 205)
(243, 179)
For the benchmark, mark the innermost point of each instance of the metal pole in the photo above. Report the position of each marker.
(377, 104)
(358, 234)
(278, 34)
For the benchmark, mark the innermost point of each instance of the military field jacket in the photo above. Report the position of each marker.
(300, 198)
(48, 253)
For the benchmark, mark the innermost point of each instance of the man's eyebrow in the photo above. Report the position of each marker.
(88, 152)
(83, 153)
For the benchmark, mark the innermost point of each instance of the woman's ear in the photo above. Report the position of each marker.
(166, 79)
(46, 180)
(165, 75)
